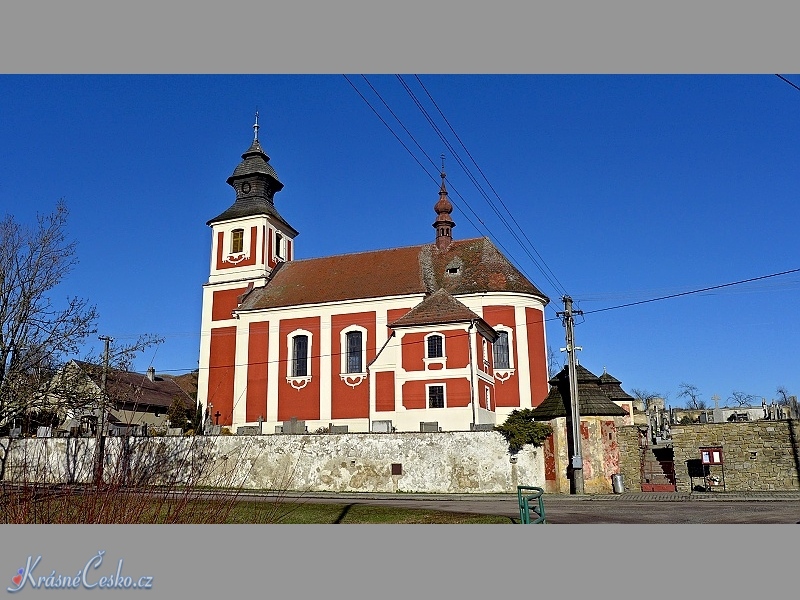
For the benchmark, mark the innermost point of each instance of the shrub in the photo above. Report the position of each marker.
(520, 429)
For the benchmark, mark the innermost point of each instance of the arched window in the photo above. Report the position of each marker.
(435, 346)
(501, 354)
(300, 356)
(237, 241)
(354, 352)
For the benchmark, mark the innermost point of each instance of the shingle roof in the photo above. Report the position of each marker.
(476, 265)
(255, 161)
(128, 387)
(592, 399)
(613, 387)
(439, 308)
(255, 167)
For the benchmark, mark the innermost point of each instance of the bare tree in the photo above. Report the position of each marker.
(554, 363)
(39, 331)
(692, 395)
(741, 399)
(645, 397)
(783, 398)
(36, 331)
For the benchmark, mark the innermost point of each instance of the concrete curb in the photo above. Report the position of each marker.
(625, 497)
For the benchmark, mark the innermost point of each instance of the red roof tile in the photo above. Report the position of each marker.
(466, 266)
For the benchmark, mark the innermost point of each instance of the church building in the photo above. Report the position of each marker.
(442, 336)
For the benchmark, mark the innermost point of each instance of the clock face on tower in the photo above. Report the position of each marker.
(245, 187)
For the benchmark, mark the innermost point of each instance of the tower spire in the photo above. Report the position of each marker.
(255, 127)
(444, 222)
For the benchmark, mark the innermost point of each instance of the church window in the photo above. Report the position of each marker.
(435, 346)
(355, 353)
(300, 356)
(501, 352)
(237, 241)
(435, 396)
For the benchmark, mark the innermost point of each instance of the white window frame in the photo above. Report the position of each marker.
(227, 241)
(503, 373)
(428, 387)
(279, 246)
(488, 398)
(352, 379)
(442, 360)
(298, 382)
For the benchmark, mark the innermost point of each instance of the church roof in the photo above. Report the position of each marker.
(592, 399)
(464, 267)
(258, 199)
(440, 307)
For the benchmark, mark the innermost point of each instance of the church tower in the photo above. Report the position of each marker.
(444, 222)
(248, 241)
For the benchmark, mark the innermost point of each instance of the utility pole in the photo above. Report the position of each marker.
(577, 458)
(100, 434)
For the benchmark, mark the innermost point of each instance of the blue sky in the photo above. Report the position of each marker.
(628, 188)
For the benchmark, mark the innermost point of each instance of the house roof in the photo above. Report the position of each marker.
(464, 267)
(592, 399)
(129, 388)
(439, 308)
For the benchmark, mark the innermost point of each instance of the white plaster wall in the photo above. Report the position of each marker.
(449, 462)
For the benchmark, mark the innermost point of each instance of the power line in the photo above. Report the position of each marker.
(477, 185)
(522, 231)
(787, 81)
(697, 291)
(453, 189)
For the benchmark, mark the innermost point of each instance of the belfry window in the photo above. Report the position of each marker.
(237, 241)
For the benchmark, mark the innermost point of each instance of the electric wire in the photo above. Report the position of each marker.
(486, 179)
(453, 189)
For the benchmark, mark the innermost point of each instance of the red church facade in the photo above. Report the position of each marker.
(446, 335)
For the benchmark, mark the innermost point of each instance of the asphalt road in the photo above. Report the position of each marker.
(655, 508)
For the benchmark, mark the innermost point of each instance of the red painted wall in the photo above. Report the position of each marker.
(224, 302)
(350, 402)
(270, 255)
(303, 403)
(257, 360)
(506, 392)
(221, 366)
(413, 351)
(384, 390)
(537, 355)
(456, 394)
(456, 350)
(482, 387)
(394, 314)
(549, 459)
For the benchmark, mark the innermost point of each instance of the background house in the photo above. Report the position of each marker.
(135, 402)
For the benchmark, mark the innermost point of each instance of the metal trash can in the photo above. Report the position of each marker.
(617, 483)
